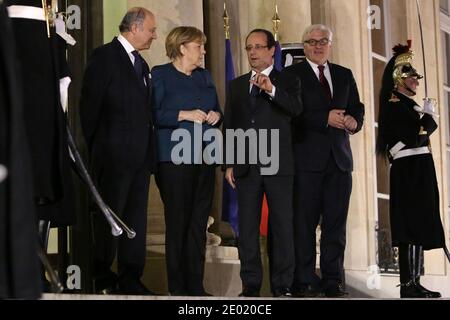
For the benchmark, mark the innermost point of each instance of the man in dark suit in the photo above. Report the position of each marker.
(118, 128)
(323, 161)
(264, 99)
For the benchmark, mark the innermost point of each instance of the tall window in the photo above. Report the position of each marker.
(381, 53)
(445, 7)
(445, 40)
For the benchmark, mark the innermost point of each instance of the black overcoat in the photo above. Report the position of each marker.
(414, 195)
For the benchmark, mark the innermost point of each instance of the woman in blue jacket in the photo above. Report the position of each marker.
(184, 101)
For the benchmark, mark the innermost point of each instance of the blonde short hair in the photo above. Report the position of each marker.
(314, 27)
(182, 35)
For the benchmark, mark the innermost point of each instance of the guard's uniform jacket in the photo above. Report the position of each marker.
(42, 65)
(19, 268)
(414, 203)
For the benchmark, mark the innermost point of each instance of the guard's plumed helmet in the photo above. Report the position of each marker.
(397, 70)
(403, 67)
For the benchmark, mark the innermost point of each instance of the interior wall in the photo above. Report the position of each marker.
(169, 14)
(113, 12)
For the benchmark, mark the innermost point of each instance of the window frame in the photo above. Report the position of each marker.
(378, 196)
(445, 29)
(444, 11)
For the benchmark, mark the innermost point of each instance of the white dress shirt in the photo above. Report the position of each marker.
(265, 72)
(127, 46)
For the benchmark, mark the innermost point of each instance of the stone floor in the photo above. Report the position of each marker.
(222, 268)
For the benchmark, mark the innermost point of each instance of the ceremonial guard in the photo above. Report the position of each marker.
(43, 68)
(404, 138)
(19, 269)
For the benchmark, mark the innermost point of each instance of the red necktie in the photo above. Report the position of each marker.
(324, 82)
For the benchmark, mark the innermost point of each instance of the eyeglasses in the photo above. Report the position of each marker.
(322, 42)
(257, 47)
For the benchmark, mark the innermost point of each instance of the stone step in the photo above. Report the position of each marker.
(49, 296)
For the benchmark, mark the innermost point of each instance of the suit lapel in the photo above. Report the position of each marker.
(124, 57)
(129, 65)
(149, 88)
(337, 85)
(315, 81)
(274, 76)
(245, 92)
(246, 86)
(148, 80)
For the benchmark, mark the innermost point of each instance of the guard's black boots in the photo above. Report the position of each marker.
(430, 294)
(411, 262)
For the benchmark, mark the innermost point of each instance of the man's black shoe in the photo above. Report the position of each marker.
(305, 291)
(134, 287)
(335, 291)
(249, 292)
(282, 293)
(105, 283)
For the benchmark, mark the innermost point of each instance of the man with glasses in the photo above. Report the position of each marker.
(264, 99)
(118, 129)
(323, 164)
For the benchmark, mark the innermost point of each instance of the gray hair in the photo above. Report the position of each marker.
(320, 27)
(134, 16)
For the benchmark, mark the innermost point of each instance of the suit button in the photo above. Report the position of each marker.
(253, 121)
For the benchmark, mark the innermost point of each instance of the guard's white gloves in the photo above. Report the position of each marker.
(429, 107)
